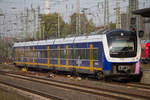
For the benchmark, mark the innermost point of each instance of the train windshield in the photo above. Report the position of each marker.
(122, 46)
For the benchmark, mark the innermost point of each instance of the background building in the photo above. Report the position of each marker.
(145, 22)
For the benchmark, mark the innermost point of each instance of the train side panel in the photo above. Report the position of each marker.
(79, 57)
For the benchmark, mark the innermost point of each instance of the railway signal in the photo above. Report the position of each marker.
(133, 24)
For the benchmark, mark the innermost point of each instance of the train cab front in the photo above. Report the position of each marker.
(126, 71)
(123, 53)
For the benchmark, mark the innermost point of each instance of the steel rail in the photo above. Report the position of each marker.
(83, 90)
(89, 87)
(53, 97)
(139, 85)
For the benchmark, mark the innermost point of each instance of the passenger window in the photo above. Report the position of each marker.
(53, 53)
(63, 53)
(26, 52)
(95, 54)
(31, 52)
(36, 54)
(71, 54)
(87, 53)
(43, 53)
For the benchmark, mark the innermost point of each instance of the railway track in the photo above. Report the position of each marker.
(139, 85)
(82, 88)
(52, 97)
(142, 86)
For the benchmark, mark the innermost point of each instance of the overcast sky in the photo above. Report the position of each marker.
(13, 9)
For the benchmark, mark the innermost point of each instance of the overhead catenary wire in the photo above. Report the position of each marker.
(64, 13)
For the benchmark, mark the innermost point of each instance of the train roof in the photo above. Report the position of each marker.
(77, 39)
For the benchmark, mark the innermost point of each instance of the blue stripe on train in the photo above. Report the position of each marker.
(102, 62)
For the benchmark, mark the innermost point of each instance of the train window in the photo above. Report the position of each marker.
(95, 54)
(87, 55)
(73, 52)
(25, 55)
(79, 54)
(21, 53)
(14, 53)
(76, 54)
(63, 53)
(36, 54)
(50, 53)
(18, 52)
(83, 54)
(31, 52)
(43, 53)
(70, 54)
(53, 53)
(24, 52)
(27, 52)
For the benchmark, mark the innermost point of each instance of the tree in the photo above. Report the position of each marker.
(86, 26)
(6, 45)
(112, 25)
(73, 23)
(49, 26)
(65, 30)
(91, 26)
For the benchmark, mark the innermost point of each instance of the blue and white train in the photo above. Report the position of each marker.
(114, 54)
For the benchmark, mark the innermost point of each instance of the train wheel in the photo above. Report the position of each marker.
(100, 75)
(137, 79)
(54, 71)
(74, 72)
(107, 79)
